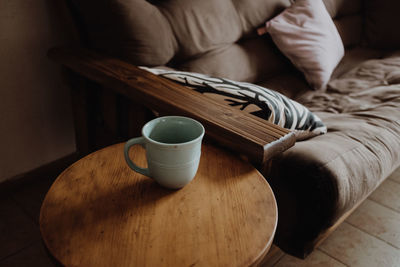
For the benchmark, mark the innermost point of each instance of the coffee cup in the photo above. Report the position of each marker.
(173, 149)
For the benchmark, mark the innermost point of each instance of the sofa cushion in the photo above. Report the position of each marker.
(201, 26)
(342, 8)
(306, 34)
(249, 60)
(353, 58)
(291, 83)
(132, 29)
(317, 181)
(381, 23)
(254, 99)
(350, 29)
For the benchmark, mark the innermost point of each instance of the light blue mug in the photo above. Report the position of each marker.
(173, 149)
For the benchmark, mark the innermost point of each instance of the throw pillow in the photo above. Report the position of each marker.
(259, 101)
(306, 34)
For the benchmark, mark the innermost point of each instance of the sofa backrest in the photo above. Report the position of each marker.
(381, 22)
(348, 18)
(216, 37)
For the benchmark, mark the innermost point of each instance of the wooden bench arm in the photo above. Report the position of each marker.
(256, 138)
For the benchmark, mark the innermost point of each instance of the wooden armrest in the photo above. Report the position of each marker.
(256, 138)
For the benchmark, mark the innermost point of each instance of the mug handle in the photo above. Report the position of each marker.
(133, 166)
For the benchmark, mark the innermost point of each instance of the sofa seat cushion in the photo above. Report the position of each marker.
(292, 84)
(318, 180)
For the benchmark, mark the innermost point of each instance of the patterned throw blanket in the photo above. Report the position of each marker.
(372, 85)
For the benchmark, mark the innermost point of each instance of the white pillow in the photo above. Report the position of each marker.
(259, 101)
(306, 34)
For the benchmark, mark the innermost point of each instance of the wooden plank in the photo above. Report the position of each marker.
(248, 134)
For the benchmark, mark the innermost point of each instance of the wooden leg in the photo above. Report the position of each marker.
(103, 117)
(132, 118)
(105, 113)
(80, 109)
(109, 112)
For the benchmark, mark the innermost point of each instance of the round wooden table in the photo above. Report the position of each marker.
(101, 213)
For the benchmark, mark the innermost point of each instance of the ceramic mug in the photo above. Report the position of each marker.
(173, 149)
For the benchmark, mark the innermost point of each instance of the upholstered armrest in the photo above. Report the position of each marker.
(256, 138)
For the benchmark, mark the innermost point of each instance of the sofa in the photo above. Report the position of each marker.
(318, 181)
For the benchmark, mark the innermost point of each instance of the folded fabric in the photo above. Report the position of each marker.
(306, 34)
(259, 101)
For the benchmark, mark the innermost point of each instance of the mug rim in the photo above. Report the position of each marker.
(173, 144)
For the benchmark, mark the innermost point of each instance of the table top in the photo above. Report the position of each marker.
(101, 213)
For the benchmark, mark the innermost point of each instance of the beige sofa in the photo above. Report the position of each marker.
(318, 181)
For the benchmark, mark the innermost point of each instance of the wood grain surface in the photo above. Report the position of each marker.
(257, 138)
(100, 213)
